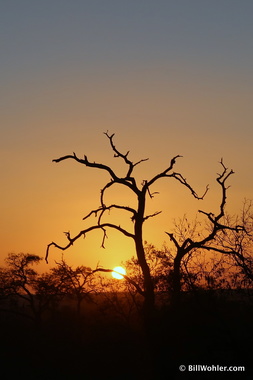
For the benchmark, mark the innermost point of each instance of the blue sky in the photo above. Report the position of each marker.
(45, 38)
(169, 77)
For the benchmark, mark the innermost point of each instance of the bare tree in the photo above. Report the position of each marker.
(187, 245)
(137, 215)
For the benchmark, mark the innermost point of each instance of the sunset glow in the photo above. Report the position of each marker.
(167, 78)
(117, 272)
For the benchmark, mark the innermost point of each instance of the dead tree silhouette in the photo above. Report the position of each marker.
(137, 215)
(218, 228)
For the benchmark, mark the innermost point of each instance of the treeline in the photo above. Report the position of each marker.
(67, 320)
(27, 293)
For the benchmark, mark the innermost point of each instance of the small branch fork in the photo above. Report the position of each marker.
(128, 181)
(130, 164)
(204, 243)
(99, 212)
(221, 179)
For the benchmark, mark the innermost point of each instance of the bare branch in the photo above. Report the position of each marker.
(84, 232)
(101, 210)
(216, 226)
(104, 237)
(130, 164)
(95, 212)
(164, 173)
(87, 163)
(173, 239)
(151, 195)
(117, 153)
(210, 215)
(140, 161)
(109, 184)
(124, 182)
(177, 176)
(184, 182)
(152, 215)
(221, 179)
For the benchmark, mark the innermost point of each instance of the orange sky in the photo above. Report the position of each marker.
(179, 85)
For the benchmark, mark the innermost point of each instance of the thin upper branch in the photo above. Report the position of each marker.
(86, 162)
(164, 173)
(221, 179)
(117, 153)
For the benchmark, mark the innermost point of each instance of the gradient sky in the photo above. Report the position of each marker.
(167, 77)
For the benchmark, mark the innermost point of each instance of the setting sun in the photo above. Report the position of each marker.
(117, 271)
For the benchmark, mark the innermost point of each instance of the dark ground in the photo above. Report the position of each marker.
(103, 345)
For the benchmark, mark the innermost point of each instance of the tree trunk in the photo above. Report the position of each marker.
(149, 296)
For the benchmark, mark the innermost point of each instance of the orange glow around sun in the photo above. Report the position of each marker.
(116, 272)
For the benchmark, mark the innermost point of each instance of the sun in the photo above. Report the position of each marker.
(116, 272)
